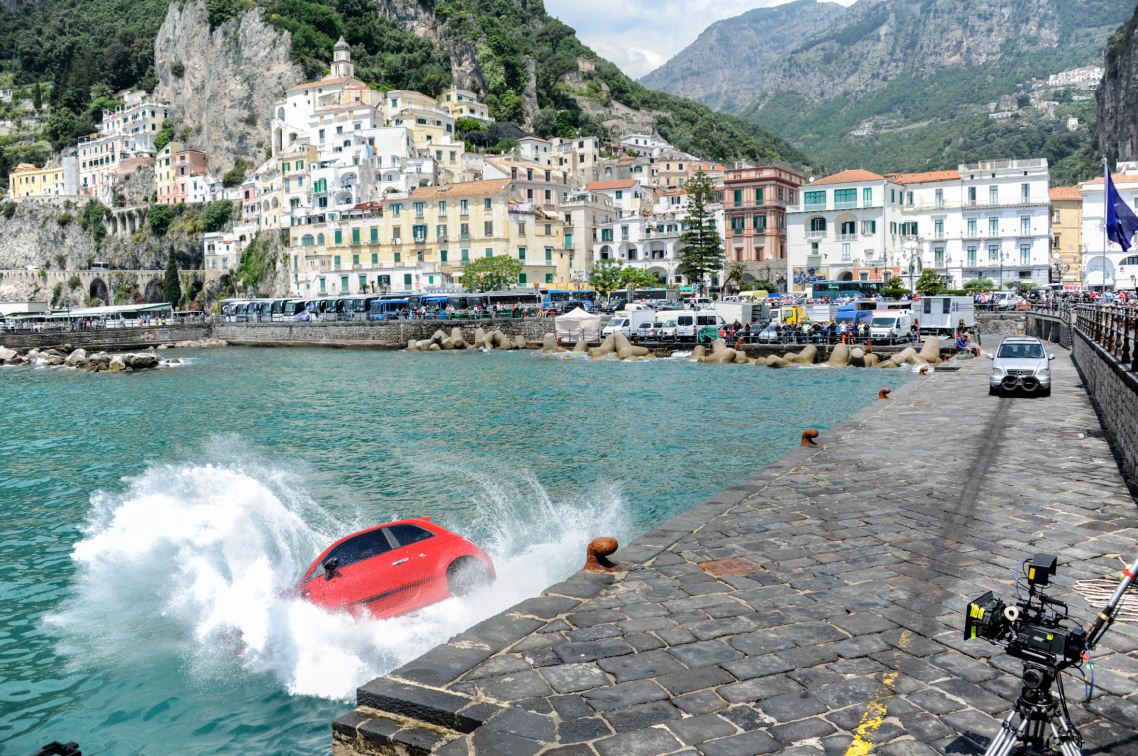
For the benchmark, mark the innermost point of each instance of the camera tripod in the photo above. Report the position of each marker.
(1039, 719)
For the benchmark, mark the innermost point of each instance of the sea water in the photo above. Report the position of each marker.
(153, 523)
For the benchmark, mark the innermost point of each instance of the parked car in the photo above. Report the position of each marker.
(664, 330)
(644, 330)
(395, 568)
(1021, 363)
(771, 333)
(1006, 300)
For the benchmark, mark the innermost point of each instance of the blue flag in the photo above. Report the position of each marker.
(1121, 222)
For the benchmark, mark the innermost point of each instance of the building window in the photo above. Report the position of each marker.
(846, 252)
(355, 261)
(993, 194)
(522, 279)
(488, 228)
(972, 256)
(738, 198)
(993, 253)
(487, 204)
(939, 201)
(845, 198)
(814, 200)
(971, 195)
(1025, 254)
(1025, 225)
(868, 228)
(818, 224)
(442, 255)
(465, 254)
(407, 280)
(971, 228)
(866, 196)
(759, 223)
(355, 236)
(464, 206)
(549, 254)
(336, 262)
(993, 227)
(938, 257)
(398, 257)
(1025, 192)
(521, 253)
(938, 228)
(374, 259)
(339, 236)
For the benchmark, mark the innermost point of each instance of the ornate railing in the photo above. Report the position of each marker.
(1114, 328)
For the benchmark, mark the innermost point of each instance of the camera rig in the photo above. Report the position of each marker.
(1038, 630)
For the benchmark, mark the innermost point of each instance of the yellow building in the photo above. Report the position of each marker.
(462, 103)
(423, 240)
(29, 181)
(1067, 232)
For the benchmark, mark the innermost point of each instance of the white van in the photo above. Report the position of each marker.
(688, 322)
(890, 325)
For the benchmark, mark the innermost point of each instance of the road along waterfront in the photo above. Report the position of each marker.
(839, 631)
(152, 519)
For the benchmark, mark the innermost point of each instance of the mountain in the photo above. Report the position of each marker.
(1118, 95)
(906, 84)
(218, 55)
(730, 60)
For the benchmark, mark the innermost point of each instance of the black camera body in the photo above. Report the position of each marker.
(1033, 629)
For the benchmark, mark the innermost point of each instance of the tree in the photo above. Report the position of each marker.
(894, 288)
(979, 284)
(216, 215)
(37, 97)
(701, 252)
(171, 284)
(930, 282)
(637, 278)
(736, 276)
(160, 217)
(606, 277)
(491, 273)
(235, 175)
(164, 136)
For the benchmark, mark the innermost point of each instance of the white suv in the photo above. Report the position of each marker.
(1021, 363)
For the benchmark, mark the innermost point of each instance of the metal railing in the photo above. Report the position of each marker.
(1114, 328)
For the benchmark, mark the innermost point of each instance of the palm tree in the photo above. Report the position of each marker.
(736, 275)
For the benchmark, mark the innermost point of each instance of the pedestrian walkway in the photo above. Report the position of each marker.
(815, 608)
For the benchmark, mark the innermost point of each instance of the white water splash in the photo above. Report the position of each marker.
(193, 565)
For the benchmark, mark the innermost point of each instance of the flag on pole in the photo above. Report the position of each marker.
(1121, 222)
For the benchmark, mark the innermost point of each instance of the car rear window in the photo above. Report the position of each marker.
(408, 534)
(684, 320)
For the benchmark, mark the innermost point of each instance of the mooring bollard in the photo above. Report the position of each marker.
(884, 393)
(808, 437)
(924, 370)
(599, 551)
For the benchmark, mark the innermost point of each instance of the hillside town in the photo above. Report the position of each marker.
(376, 192)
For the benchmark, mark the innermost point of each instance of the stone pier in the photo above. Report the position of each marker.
(816, 607)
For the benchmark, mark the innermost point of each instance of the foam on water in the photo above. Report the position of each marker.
(192, 565)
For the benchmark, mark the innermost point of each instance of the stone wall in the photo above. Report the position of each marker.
(1049, 328)
(393, 335)
(1114, 391)
(107, 339)
(1000, 324)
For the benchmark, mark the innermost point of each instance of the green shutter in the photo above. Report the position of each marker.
(339, 236)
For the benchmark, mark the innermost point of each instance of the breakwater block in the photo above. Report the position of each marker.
(808, 437)
(598, 553)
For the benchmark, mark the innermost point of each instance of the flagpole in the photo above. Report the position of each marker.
(1105, 215)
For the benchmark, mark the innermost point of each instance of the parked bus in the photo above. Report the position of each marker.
(836, 289)
(558, 298)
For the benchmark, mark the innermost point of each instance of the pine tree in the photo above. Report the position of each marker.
(701, 252)
(37, 97)
(171, 285)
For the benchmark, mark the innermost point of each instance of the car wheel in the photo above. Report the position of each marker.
(465, 575)
(1045, 392)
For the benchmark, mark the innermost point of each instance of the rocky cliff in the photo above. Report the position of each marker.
(1118, 95)
(222, 84)
(731, 59)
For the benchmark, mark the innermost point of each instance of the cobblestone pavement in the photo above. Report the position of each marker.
(847, 635)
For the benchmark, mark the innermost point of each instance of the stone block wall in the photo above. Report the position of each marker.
(1114, 390)
(109, 339)
(1049, 328)
(383, 335)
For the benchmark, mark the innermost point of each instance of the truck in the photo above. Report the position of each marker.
(793, 314)
(744, 312)
(891, 325)
(941, 315)
(628, 322)
(852, 315)
(820, 313)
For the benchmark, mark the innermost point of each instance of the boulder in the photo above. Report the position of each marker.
(76, 358)
(840, 357)
(143, 361)
(117, 364)
(434, 348)
(54, 359)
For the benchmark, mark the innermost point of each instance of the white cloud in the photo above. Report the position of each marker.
(641, 35)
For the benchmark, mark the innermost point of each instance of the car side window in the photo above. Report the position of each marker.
(363, 546)
(406, 534)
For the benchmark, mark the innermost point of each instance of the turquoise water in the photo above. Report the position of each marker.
(152, 522)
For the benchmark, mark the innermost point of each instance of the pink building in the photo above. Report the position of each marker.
(181, 175)
(754, 207)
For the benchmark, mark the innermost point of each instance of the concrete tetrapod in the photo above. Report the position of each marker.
(806, 356)
(549, 344)
(698, 352)
(580, 347)
(479, 338)
(625, 349)
(840, 357)
(606, 347)
(930, 350)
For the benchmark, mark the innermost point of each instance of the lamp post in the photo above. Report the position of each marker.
(912, 257)
(1002, 256)
(947, 263)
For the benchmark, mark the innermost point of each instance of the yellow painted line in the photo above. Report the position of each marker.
(876, 710)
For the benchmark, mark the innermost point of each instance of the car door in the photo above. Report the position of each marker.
(362, 576)
(417, 557)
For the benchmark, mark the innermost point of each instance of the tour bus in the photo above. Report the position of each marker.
(832, 290)
(558, 298)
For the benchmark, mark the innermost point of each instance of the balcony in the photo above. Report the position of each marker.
(812, 234)
(846, 205)
(814, 207)
(420, 238)
(847, 237)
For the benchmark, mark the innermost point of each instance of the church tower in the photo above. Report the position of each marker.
(342, 61)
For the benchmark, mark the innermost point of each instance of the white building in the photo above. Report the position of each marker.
(536, 149)
(984, 220)
(584, 214)
(1105, 265)
(846, 227)
(629, 196)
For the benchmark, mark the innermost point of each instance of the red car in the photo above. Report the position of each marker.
(396, 568)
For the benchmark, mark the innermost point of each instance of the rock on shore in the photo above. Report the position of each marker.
(79, 359)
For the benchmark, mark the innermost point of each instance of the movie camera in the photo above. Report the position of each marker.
(1039, 630)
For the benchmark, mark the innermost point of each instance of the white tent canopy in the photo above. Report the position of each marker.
(578, 324)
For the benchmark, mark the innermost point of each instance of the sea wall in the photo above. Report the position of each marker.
(393, 335)
(1114, 390)
(109, 339)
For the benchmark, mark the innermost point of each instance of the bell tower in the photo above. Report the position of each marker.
(342, 61)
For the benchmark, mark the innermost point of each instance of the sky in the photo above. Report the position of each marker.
(641, 35)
